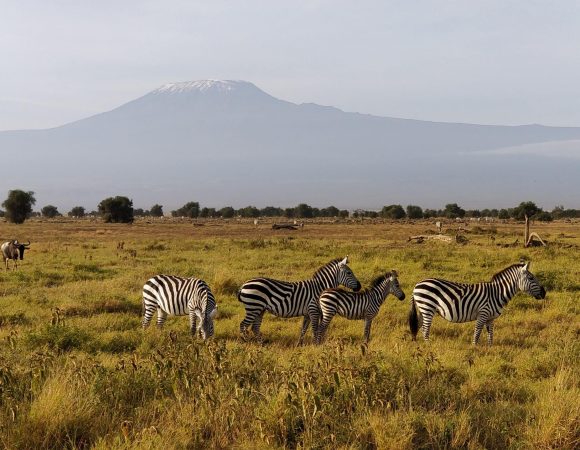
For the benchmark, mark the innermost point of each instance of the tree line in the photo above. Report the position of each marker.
(18, 208)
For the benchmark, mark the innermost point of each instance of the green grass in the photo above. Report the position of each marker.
(77, 371)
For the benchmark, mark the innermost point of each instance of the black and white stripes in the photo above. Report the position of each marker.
(353, 305)
(458, 302)
(290, 299)
(176, 296)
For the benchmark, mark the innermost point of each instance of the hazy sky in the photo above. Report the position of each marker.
(493, 62)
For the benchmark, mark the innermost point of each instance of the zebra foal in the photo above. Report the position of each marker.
(353, 305)
(459, 302)
(176, 296)
(290, 299)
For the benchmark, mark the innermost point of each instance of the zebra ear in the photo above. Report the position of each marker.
(344, 262)
(526, 266)
(213, 313)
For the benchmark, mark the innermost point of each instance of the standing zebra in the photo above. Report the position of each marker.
(176, 296)
(290, 299)
(353, 305)
(483, 302)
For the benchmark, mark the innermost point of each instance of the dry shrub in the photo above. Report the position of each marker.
(224, 285)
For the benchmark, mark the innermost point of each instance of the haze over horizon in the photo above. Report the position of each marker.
(501, 63)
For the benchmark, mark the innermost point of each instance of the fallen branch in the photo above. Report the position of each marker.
(283, 226)
(459, 239)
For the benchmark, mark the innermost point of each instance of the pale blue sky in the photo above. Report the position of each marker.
(493, 62)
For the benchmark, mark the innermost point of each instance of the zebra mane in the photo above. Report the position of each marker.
(321, 269)
(378, 280)
(499, 274)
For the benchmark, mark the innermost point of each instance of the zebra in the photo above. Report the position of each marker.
(353, 305)
(459, 302)
(290, 299)
(176, 296)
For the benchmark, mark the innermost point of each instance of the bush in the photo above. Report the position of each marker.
(18, 205)
(116, 209)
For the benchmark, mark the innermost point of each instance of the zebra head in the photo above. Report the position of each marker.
(205, 322)
(528, 283)
(346, 276)
(394, 287)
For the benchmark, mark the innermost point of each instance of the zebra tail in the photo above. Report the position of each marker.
(413, 319)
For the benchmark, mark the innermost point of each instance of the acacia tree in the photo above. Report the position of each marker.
(190, 209)
(18, 205)
(393, 212)
(157, 210)
(50, 211)
(525, 209)
(116, 209)
(77, 211)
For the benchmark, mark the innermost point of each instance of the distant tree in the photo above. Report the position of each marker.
(559, 212)
(289, 213)
(544, 216)
(473, 213)
(453, 211)
(190, 209)
(271, 211)
(414, 212)
(227, 212)
(116, 209)
(343, 214)
(525, 209)
(429, 213)
(303, 211)
(503, 214)
(139, 212)
(18, 205)
(393, 212)
(50, 211)
(248, 211)
(157, 210)
(2, 213)
(208, 212)
(77, 211)
(331, 211)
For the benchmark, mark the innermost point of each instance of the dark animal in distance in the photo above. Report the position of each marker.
(13, 250)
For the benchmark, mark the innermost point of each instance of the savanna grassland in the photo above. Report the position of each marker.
(77, 370)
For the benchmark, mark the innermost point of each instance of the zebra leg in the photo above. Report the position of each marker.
(427, 319)
(147, 316)
(192, 322)
(368, 323)
(314, 314)
(248, 320)
(326, 319)
(161, 316)
(489, 328)
(305, 324)
(481, 321)
(257, 324)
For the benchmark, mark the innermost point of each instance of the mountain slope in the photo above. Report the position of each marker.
(228, 142)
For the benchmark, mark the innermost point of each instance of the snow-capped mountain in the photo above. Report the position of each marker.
(228, 142)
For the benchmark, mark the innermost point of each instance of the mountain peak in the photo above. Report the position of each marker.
(205, 86)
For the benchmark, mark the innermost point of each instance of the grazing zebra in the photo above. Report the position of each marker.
(458, 302)
(353, 305)
(176, 296)
(290, 299)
